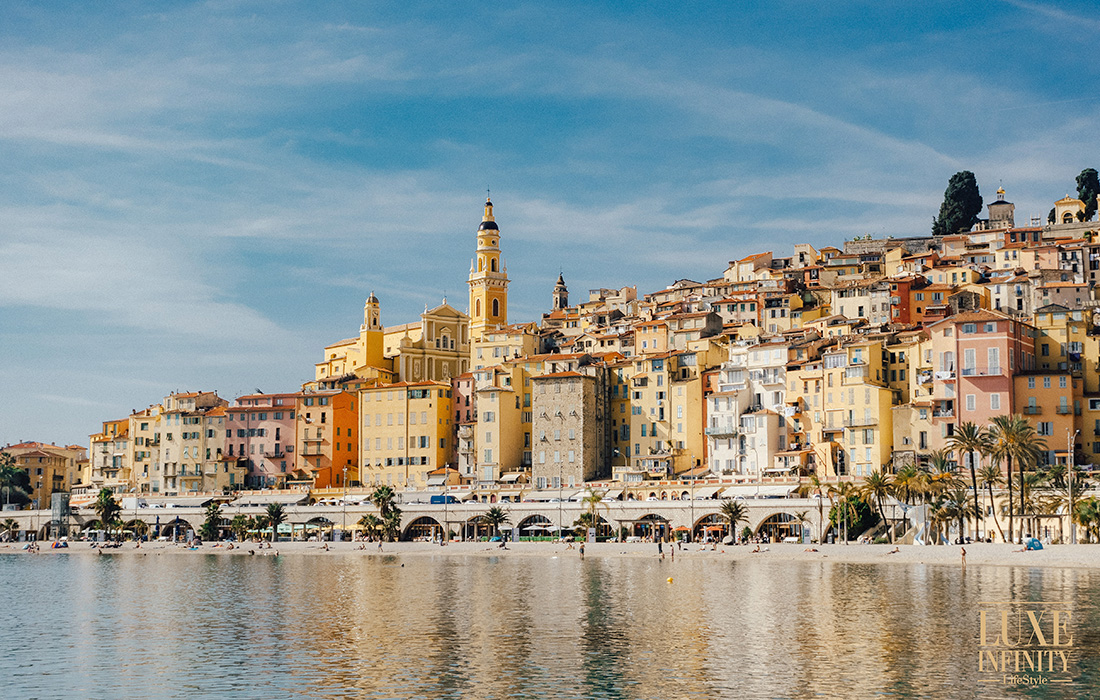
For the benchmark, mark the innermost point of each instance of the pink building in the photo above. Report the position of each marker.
(974, 356)
(259, 431)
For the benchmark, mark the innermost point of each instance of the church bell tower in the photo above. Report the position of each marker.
(488, 279)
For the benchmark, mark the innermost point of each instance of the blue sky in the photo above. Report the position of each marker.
(201, 196)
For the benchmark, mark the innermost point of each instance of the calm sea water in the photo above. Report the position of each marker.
(350, 626)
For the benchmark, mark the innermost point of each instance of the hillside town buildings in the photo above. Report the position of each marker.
(838, 361)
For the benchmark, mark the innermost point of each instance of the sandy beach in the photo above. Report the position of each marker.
(978, 554)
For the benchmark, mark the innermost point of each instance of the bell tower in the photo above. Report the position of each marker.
(561, 294)
(488, 279)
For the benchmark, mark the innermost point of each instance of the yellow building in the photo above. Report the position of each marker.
(405, 433)
(488, 279)
(50, 468)
(1050, 401)
(851, 433)
(505, 343)
(109, 455)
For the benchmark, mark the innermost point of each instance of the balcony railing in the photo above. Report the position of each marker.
(722, 430)
(1064, 410)
(1033, 410)
(860, 422)
(994, 371)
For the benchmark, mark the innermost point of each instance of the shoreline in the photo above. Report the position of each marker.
(1080, 556)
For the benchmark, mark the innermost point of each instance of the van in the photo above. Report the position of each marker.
(443, 498)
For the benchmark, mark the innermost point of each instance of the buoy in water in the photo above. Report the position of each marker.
(669, 579)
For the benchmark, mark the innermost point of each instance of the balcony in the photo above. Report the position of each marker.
(1033, 410)
(943, 413)
(860, 422)
(1064, 410)
(722, 431)
(994, 371)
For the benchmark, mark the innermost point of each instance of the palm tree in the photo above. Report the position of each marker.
(973, 440)
(1013, 439)
(209, 529)
(815, 487)
(9, 526)
(382, 498)
(1087, 515)
(957, 506)
(877, 486)
(908, 482)
(239, 527)
(494, 518)
(991, 476)
(845, 493)
(276, 516)
(391, 524)
(733, 512)
(371, 524)
(800, 515)
(390, 515)
(106, 508)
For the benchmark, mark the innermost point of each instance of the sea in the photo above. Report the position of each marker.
(355, 625)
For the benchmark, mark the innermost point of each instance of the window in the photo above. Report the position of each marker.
(971, 402)
(995, 402)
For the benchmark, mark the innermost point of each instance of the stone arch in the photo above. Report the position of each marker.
(424, 527)
(496, 307)
(703, 526)
(530, 526)
(778, 525)
(477, 307)
(474, 529)
(493, 265)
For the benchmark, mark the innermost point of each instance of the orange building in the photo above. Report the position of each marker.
(327, 440)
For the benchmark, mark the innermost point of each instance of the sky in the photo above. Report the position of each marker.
(201, 195)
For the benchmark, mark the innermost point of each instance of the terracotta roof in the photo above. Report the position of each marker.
(558, 375)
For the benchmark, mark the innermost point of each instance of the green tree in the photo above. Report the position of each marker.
(391, 524)
(276, 516)
(962, 202)
(371, 524)
(239, 527)
(209, 529)
(845, 496)
(1088, 186)
(957, 506)
(733, 512)
(877, 487)
(973, 440)
(14, 482)
(8, 527)
(494, 518)
(383, 500)
(1014, 440)
(1086, 513)
(106, 509)
(815, 487)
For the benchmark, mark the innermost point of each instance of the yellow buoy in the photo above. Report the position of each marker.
(670, 579)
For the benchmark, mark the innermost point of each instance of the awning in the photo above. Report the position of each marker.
(461, 495)
(437, 480)
(613, 495)
(183, 501)
(705, 492)
(263, 499)
(511, 477)
(759, 490)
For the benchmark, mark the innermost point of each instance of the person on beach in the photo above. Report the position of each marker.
(964, 557)
(895, 550)
(379, 545)
(660, 547)
(582, 550)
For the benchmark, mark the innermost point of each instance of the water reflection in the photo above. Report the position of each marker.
(523, 627)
